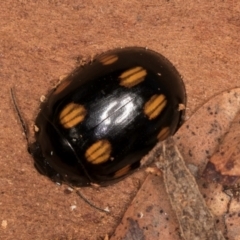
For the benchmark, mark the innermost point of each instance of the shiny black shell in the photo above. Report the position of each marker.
(104, 117)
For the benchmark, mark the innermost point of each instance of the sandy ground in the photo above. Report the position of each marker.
(43, 40)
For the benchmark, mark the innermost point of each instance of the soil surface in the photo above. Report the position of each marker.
(43, 40)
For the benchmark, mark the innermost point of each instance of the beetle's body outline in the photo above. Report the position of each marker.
(104, 117)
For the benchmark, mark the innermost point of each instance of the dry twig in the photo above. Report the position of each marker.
(195, 220)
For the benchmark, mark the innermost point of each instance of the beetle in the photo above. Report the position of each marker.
(99, 122)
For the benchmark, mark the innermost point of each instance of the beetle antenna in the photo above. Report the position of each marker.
(106, 210)
(20, 117)
(79, 193)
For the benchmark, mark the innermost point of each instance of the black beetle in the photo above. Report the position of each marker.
(98, 123)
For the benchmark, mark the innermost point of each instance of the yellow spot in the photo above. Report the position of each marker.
(163, 134)
(132, 77)
(123, 171)
(62, 86)
(155, 106)
(108, 59)
(99, 152)
(72, 115)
